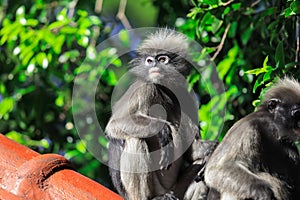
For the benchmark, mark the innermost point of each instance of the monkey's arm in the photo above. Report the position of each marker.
(230, 169)
(201, 150)
(136, 125)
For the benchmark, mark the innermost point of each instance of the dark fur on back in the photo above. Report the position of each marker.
(258, 158)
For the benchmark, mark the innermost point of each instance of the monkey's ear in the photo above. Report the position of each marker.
(272, 104)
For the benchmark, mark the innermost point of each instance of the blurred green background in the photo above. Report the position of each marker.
(44, 43)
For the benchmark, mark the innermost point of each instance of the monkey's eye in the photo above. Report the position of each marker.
(150, 61)
(296, 113)
(272, 104)
(163, 59)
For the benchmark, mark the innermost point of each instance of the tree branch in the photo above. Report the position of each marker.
(220, 46)
(98, 6)
(297, 39)
(254, 3)
(72, 8)
(227, 3)
(121, 14)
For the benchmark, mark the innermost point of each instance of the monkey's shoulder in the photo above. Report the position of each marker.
(250, 127)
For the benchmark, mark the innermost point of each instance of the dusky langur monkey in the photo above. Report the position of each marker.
(258, 158)
(153, 131)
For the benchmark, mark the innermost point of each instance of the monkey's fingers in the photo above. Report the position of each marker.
(200, 175)
(168, 196)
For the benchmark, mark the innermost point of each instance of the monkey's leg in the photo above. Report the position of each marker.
(136, 170)
(233, 178)
(115, 149)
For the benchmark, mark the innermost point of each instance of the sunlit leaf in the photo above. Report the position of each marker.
(279, 55)
(124, 37)
(6, 106)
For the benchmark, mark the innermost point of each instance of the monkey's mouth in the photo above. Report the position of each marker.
(154, 72)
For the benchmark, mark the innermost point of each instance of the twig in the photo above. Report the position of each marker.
(72, 8)
(297, 39)
(220, 46)
(98, 6)
(254, 3)
(121, 14)
(227, 3)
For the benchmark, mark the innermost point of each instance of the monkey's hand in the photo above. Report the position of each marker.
(167, 147)
(196, 191)
(168, 196)
(208, 148)
(261, 191)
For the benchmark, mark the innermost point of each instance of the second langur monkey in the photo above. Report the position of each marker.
(258, 158)
(153, 131)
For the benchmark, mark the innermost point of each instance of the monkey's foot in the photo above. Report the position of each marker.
(261, 191)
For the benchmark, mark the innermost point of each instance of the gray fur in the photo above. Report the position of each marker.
(138, 130)
(258, 158)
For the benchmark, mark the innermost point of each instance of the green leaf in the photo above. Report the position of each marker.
(41, 58)
(255, 103)
(295, 7)
(103, 141)
(25, 140)
(80, 146)
(289, 12)
(59, 101)
(264, 69)
(225, 65)
(68, 30)
(117, 62)
(236, 6)
(20, 13)
(57, 45)
(83, 41)
(246, 35)
(111, 77)
(6, 106)
(124, 37)
(216, 25)
(232, 30)
(27, 90)
(32, 22)
(57, 24)
(95, 20)
(2, 88)
(279, 56)
(258, 83)
(211, 2)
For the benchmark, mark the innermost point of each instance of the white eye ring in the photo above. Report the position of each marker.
(163, 59)
(150, 61)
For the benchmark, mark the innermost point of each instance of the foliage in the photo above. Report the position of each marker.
(252, 43)
(45, 44)
(40, 59)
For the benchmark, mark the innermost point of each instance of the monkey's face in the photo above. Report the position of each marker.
(157, 67)
(286, 112)
(160, 66)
